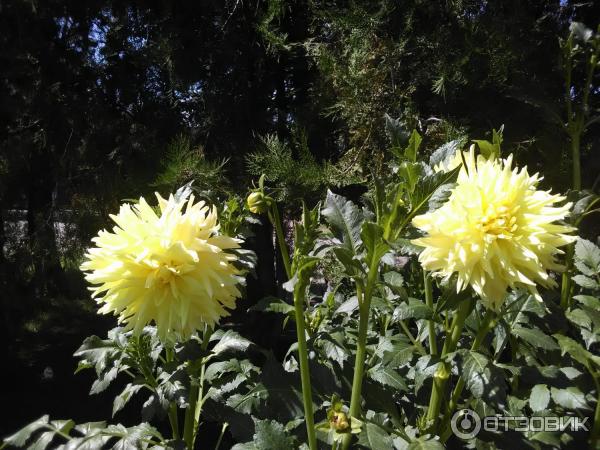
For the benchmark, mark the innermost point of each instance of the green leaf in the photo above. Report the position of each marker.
(273, 304)
(250, 401)
(535, 337)
(481, 377)
(569, 398)
(445, 153)
(333, 346)
(20, 437)
(414, 309)
(372, 237)
(387, 377)
(539, 398)
(374, 437)
(587, 257)
(410, 172)
(414, 143)
(424, 443)
(586, 282)
(576, 351)
(230, 342)
(124, 397)
(426, 187)
(345, 220)
(352, 266)
(271, 435)
(395, 131)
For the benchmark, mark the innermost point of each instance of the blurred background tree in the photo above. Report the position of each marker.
(106, 100)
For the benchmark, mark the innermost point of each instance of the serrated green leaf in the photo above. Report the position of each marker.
(231, 342)
(124, 397)
(482, 378)
(271, 435)
(414, 309)
(19, 438)
(586, 282)
(535, 337)
(587, 257)
(387, 377)
(345, 220)
(374, 437)
(576, 351)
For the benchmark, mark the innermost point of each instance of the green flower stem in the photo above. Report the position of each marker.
(487, 323)
(223, 428)
(430, 323)
(285, 256)
(595, 434)
(304, 369)
(172, 414)
(438, 390)
(192, 412)
(364, 307)
(299, 301)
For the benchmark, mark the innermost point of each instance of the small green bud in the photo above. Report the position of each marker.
(257, 202)
(339, 421)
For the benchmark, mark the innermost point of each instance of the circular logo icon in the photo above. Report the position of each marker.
(465, 424)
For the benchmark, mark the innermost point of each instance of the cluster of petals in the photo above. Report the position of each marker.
(168, 265)
(496, 231)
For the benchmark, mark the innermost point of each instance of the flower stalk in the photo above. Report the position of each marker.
(430, 323)
(438, 390)
(364, 305)
(299, 301)
(195, 402)
(487, 323)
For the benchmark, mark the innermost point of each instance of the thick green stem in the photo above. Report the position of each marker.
(364, 308)
(485, 326)
(172, 414)
(189, 426)
(595, 434)
(285, 256)
(438, 390)
(299, 301)
(430, 323)
(304, 370)
(192, 413)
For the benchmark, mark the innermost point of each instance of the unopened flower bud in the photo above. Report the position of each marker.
(257, 202)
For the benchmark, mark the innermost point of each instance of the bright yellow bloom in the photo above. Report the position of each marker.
(171, 268)
(495, 231)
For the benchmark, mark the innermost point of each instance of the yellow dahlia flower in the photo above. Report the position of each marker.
(496, 231)
(171, 268)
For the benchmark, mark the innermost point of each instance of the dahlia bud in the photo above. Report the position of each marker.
(257, 202)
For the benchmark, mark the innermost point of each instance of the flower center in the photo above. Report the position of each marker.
(166, 273)
(499, 222)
